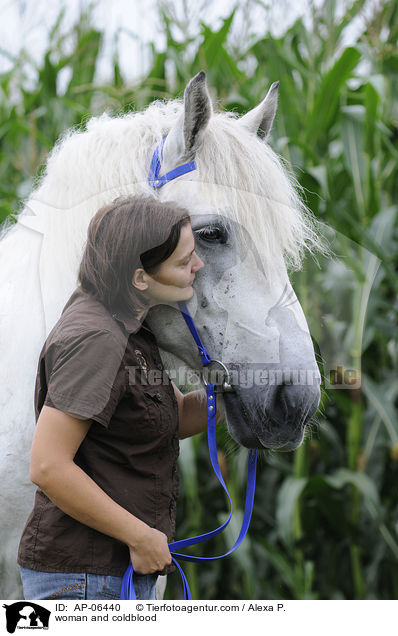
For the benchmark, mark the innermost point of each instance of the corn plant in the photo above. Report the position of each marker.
(325, 519)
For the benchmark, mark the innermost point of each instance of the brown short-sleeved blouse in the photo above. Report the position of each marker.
(106, 368)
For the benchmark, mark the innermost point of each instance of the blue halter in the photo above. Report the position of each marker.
(127, 590)
(153, 178)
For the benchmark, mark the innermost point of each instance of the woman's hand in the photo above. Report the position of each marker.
(192, 412)
(150, 553)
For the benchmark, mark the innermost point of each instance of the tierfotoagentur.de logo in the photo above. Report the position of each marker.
(26, 615)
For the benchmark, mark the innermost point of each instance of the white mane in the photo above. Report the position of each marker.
(111, 157)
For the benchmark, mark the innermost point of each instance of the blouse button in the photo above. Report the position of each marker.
(159, 366)
(159, 396)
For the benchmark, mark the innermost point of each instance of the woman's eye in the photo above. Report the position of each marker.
(213, 234)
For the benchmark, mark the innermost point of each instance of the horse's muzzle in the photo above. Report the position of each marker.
(272, 417)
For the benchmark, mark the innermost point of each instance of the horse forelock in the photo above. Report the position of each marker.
(265, 198)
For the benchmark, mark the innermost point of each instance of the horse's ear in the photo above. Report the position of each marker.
(259, 120)
(186, 135)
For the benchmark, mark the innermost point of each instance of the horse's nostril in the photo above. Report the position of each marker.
(276, 403)
(285, 402)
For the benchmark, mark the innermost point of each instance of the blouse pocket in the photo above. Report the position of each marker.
(157, 404)
(149, 411)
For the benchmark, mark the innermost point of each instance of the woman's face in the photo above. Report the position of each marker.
(174, 278)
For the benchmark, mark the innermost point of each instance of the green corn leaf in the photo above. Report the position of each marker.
(287, 499)
(187, 466)
(281, 563)
(344, 477)
(377, 396)
(352, 133)
(328, 94)
(367, 488)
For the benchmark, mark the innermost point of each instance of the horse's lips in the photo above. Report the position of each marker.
(256, 434)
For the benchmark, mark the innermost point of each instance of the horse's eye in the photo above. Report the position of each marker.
(212, 234)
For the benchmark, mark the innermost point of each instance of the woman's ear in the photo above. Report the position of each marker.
(140, 279)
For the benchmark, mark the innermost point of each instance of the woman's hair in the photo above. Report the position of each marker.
(131, 232)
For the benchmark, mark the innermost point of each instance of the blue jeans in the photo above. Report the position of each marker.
(67, 585)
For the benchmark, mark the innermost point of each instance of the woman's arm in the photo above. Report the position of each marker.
(57, 438)
(192, 412)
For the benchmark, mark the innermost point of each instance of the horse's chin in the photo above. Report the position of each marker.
(246, 437)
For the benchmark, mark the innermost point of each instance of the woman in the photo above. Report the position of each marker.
(104, 453)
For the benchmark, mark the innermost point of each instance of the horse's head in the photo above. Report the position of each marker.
(248, 222)
(250, 227)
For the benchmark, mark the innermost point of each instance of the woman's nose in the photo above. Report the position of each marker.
(198, 263)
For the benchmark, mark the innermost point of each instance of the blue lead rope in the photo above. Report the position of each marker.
(127, 591)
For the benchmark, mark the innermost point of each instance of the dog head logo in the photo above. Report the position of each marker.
(26, 615)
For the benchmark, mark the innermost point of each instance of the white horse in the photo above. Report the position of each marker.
(251, 227)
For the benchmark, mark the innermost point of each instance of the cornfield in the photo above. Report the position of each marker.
(325, 520)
